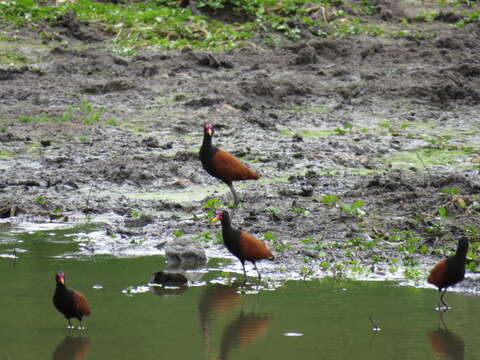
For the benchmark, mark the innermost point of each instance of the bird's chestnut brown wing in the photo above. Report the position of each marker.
(253, 249)
(229, 167)
(438, 274)
(81, 303)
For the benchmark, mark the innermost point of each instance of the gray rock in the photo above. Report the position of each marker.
(185, 250)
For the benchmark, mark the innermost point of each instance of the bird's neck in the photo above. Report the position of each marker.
(461, 252)
(61, 290)
(227, 230)
(207, 142)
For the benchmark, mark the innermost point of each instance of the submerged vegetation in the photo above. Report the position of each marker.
(164, 24)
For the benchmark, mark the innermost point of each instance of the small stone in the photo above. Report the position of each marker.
(185, 250)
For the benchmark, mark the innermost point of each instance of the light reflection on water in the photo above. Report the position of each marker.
(216, 319)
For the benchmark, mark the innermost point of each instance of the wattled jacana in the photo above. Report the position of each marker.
(241, 244)
(69, 302)
(449, 272)
(223, 165)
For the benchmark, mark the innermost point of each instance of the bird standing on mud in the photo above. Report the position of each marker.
(69, 302)
(448, 272)
(241, 244)
(223, 165)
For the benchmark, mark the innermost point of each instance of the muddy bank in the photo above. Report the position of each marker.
(391, 123)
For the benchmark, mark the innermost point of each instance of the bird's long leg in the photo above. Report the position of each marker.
(69, 324)
(258, 272)
(439, 304)
(442, 300)
(244, 275)
(235, 197)
(81, 327)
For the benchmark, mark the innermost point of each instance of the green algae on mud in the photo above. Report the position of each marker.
(196, 193)
(457, 159)
(189, 194)
(308, 132)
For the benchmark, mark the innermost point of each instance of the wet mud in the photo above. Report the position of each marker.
(387, 121)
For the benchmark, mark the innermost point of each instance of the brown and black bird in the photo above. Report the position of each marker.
(223, 165)
(69, 302)
(241, 244)
(448, 272)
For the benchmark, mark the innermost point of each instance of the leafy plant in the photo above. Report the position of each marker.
(85, 113)
(442, 211)
(330, 200)
(135, 25)
(306, 271)
(455, 190)
(177, 233)
(218, 237)
(274, 210)
(135, 213)
(298, 210)
(203, 236)
(41, 200)
(413, 273)
(307, 240)
(138, 241)
(354, 209)
(325, 264)
(211, 205)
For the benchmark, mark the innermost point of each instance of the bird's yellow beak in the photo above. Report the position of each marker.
(214, 219)
(62, 280)
(209, 132)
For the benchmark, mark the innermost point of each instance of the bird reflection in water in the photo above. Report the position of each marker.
(243, 329)
(72, 348)
(215, 301)
(445, 344)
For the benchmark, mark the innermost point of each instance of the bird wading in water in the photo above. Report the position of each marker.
(69, 302)
(448, 272)
(241, 244)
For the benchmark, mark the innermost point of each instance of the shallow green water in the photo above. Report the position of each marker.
(214, 321)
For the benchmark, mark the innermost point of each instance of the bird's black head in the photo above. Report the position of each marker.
(462, 248)
(208, 130)
(60, 278)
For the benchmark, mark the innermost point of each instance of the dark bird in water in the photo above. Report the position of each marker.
(223, 165)
(69, 302)
(448, 272)
(241, 244)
